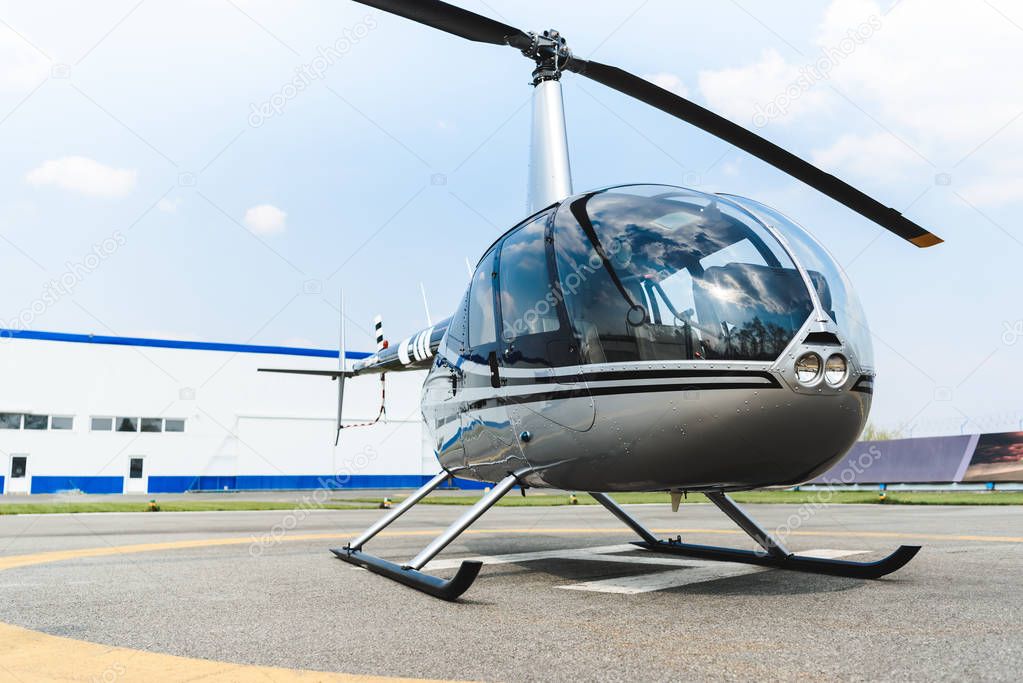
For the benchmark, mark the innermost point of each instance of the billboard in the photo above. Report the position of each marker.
(998, 457)
(973, 458)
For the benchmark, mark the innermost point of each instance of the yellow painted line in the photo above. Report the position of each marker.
(36, 656)
(33, 656)
(106, 551)
(912, 536)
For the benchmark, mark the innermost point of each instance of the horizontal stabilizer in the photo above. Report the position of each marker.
(333, 374)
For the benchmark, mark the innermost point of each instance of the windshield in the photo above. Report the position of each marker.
(833, 287)
(660, 273)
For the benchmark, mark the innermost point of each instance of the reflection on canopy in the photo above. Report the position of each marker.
(833, 287)
(659, 273)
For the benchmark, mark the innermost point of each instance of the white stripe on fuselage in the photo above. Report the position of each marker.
(479, 393)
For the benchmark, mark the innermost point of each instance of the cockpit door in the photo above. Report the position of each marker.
(539, 355)
(487, 434)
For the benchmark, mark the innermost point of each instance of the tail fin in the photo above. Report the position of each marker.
(378, 326)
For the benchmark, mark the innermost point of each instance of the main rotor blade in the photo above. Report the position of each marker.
(455, 20)
(690, 112)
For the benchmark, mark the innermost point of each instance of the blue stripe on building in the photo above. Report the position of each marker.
(174, 344)
(294, 482)
(48, 484)
(270, 482)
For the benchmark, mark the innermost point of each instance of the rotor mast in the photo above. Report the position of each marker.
(550, 173)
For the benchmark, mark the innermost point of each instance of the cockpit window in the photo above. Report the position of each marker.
(658, 273)
(482, 326)
(829, 280)
(527, 302)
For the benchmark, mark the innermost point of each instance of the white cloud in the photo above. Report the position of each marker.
(168, 205)
(995, 191)
(879, 156)
(21, 65)
(1003, 185)
(265, 219)
(669, 82)
(775, 89)
(84, 176)
(741, 93)
(936, 76)
(937, 68)
(731, 168)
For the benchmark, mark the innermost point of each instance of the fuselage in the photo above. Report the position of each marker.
(646, 338)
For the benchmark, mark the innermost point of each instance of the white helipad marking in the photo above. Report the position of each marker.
(567, 554)
(696, 571)
(689, 571)
(658, 581)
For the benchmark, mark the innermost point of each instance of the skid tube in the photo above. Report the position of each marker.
(445, 589)
(773, 553)
(409, 573)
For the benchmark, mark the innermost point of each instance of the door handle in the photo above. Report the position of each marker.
(495, 373)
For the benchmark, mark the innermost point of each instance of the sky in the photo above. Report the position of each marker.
(220, 169)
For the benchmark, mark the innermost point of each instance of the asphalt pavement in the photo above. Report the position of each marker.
(561, 595)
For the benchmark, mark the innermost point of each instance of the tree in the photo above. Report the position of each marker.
(874, 433)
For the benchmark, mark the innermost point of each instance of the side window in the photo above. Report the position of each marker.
(458, 325)
(528, 304)
(482, 326)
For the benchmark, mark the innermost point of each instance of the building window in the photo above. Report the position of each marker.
(37, 421)
(19, 466)
(62, 422)
(127, 424)
(152, 424)
(102, 424)
(174, 425)
(135, 468)
(10, 420)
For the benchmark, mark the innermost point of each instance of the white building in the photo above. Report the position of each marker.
(103, 414)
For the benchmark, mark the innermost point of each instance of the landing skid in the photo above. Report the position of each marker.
(409, 573)
(445, 589)
(773, 553)
(814, 565)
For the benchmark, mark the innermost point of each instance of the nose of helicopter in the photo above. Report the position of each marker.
(750, 438)
(784, 429)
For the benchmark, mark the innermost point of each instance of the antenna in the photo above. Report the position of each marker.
(429, 320)
(341, 363)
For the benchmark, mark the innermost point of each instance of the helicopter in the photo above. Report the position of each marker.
(636, 337)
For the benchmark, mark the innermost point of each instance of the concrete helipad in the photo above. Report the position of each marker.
(234, 595)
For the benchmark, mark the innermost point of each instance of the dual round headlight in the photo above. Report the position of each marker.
(836, 370)
(810, 367)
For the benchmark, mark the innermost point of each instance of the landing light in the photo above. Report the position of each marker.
(808, 368)
(836, 370)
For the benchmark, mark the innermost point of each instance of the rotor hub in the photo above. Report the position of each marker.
(550, 52)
